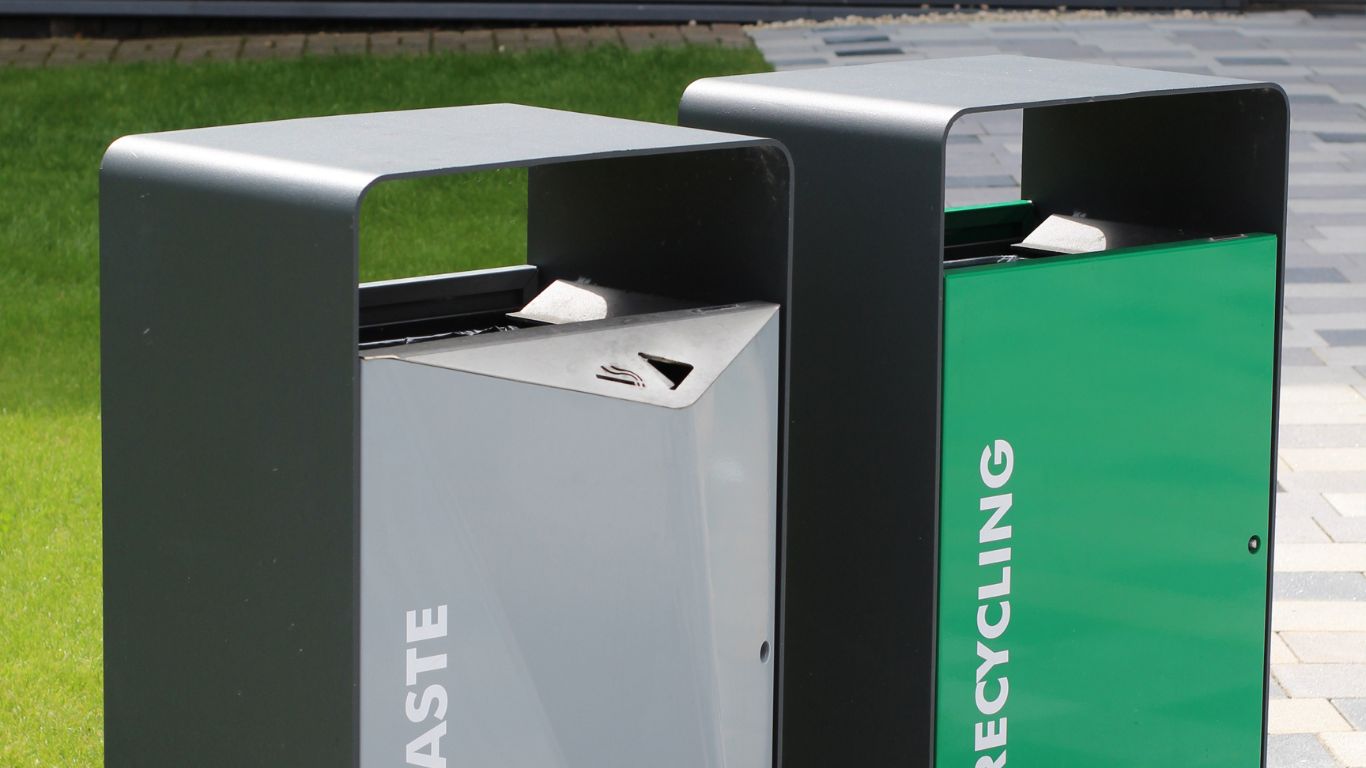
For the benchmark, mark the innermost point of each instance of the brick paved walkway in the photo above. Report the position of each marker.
(1318, 717)
(73, 51)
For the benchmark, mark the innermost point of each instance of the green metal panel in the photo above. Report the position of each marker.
(1134, 391)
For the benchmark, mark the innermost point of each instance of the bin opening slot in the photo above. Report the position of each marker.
(1016, 230)
(673, 370)
(418, 309)
(979, 231)
(460, 303)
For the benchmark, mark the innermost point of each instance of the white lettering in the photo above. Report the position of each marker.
(992, 631)
(994, 556)
(425, 750)
(987, 706)
(991, 762)
(419, 664)
(1004, 455)
(990, 531)
(996, 465)
(433, 694)
(431, 741)
(999, 589)
(428, 629)
(990, 736)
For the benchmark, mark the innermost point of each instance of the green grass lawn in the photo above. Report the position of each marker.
(54, 126)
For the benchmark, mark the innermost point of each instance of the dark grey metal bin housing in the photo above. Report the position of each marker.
(232, 409)
(859, 604)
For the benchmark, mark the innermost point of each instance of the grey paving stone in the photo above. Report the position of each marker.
(1354, 710)
(1300, 530)
(1326, 647)
(850, 28)
(1322, 376)
(1342, 192)
(1314, 43)
(1252, 61)
(1302, 504)
(1300, 356)
(980, 181)
(1311, 306)
(1322, 681)
(1344, 529)
(1342, 138)
(942, 43)
(979, 195)
(1346, 84)
(1208, 37)
(868, 44)
(1146, 54)
(1325, 482)
(1325, 110)
(798, 63)
(1313, 275)
(1297, 100)
(1323, 435)
(1297, 750)
(1319, 586)
(878, 51)
(1350, 337)
(846, 38)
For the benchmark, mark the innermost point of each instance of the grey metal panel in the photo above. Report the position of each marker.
(868, 147)
(923, 95)
(228, 349)
(607, 566)
(228, 481)
(570, 356)
(358, 149)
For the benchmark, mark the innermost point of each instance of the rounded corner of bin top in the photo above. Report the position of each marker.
(111, 153)
(120, 150)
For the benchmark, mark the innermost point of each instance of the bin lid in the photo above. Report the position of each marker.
(664, 358)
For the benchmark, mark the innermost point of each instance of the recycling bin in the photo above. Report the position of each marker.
(523, 516)
(1031, 468)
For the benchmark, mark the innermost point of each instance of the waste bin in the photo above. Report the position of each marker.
(517, 517)
(1031, 483)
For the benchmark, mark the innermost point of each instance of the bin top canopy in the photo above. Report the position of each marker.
(960, 85)
(357, 150)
